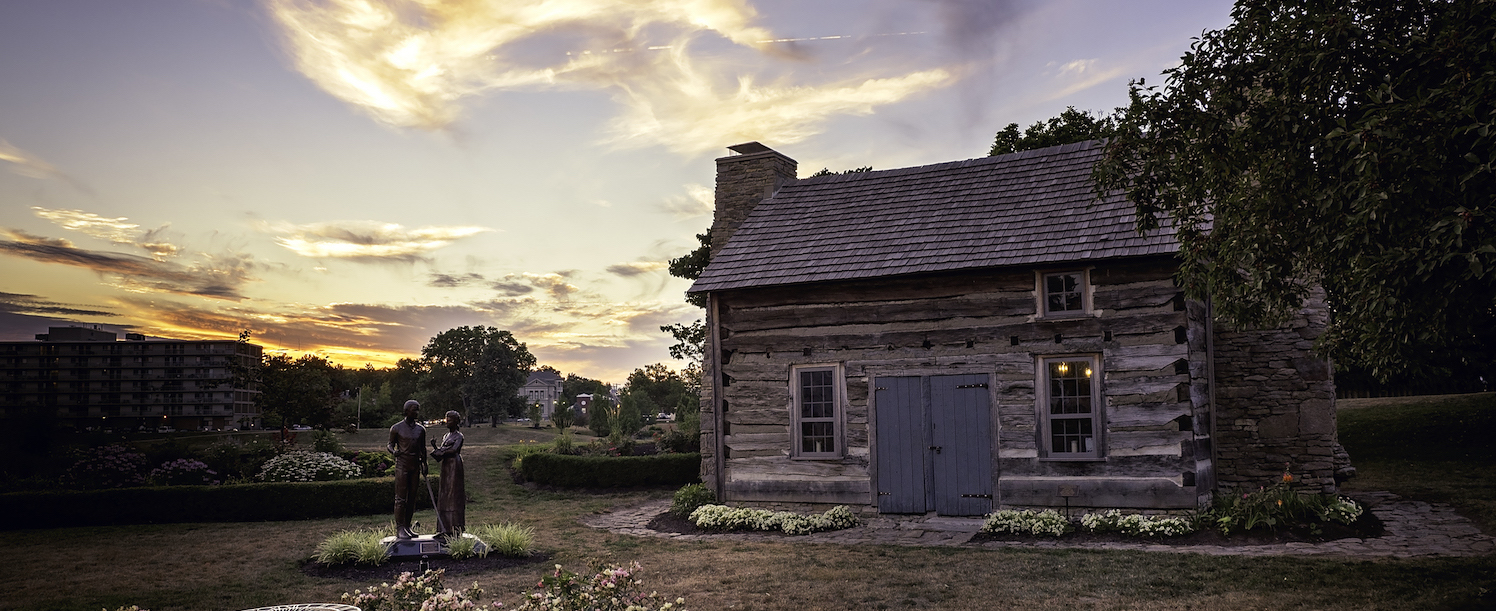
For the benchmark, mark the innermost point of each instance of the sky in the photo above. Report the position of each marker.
(349, 178)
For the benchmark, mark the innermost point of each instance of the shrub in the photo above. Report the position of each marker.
(227, 503)
(722, 517)
(301, 466)
(610, 472)
(524, 451)
(359, 546)
(1027, 522)
(374, 464)
(690, 497)
(1136, 525)
(184, 472)
(506, 539)
(613, 588)
(676, 441)
(327, 441)
(111, 466)
(412, 593)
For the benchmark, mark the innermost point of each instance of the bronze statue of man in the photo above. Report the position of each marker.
(408, 445)
(451, 502)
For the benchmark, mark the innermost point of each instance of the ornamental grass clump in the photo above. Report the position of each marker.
(506, 539)
(465, 546)
(722, 517)
(612, 588)
(183, 472)
(359, 546)
(303, 466)
(1027, 522)
(1136, 525)
(413, 593)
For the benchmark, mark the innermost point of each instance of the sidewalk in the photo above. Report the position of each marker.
(1414, 529)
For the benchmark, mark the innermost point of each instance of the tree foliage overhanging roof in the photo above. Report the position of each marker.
(1340, 143)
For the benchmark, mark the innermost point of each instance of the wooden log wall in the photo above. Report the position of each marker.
(1152, 343)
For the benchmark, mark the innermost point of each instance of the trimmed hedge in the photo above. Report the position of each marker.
(176, 504)
(567, 471)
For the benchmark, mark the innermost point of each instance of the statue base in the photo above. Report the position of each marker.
(425, 546)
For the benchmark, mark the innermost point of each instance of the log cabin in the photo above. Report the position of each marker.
(964, 336)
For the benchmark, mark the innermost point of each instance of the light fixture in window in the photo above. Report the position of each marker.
(1062, 368)
(1088, 372)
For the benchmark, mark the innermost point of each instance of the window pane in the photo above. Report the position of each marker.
(817, 437)
(1071, 436)
(1070, 387)
(1063, 292)
(817, 397)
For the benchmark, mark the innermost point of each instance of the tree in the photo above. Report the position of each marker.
(1341, 144)
(475, 369)
(658, 387)
(690, 341)
(1071, 126)
(297, 391)
(828, 172)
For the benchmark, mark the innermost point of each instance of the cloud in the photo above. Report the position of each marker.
(599, 339)
(510, 288)
(16, 303)
(699, 200)
(31, 166)
(411, 64)
(112, 230)
(367, 240)
(218, 278)
(637, 268)
(690, 113)
(554, 283)
(453, 281)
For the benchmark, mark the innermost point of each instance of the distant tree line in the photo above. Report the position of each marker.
(476, 371)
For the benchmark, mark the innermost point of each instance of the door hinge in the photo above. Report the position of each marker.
(982, 385)
(976, 496)
(937, 448)
(885, 494)
(880, 388)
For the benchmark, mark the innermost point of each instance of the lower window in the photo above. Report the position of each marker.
(1070, 406)
(817, 398)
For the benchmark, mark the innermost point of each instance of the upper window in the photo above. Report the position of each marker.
(1070, 406)
(1063, 293)
(816, 422)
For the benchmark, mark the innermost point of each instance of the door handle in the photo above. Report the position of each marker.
(936, 448)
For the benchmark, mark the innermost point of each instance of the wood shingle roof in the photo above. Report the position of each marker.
(1029, 208)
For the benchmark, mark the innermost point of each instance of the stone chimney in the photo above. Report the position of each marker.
(752, 174)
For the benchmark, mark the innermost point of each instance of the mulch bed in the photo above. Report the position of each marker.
(1367, 526)
(392, 569)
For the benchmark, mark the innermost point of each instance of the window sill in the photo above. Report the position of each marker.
(1072, 459)
(817, 457)
(1065, 316)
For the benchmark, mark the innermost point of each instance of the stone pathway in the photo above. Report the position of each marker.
(1414, 529)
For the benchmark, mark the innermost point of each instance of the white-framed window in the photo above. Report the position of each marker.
(1064, 293)
(1070, 406)
(816, 393)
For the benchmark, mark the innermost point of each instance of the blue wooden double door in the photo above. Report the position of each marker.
(934, 444)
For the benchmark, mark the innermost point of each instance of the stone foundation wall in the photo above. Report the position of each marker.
(1275, 406)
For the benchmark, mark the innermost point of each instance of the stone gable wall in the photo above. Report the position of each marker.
(1275, 406)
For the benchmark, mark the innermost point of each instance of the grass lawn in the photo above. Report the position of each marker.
(1440, 448)
(239, 566)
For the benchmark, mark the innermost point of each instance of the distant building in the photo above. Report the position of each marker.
(89, 379)
(543, 387)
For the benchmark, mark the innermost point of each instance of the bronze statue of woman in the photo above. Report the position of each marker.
(451, 503)
(407, 444)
